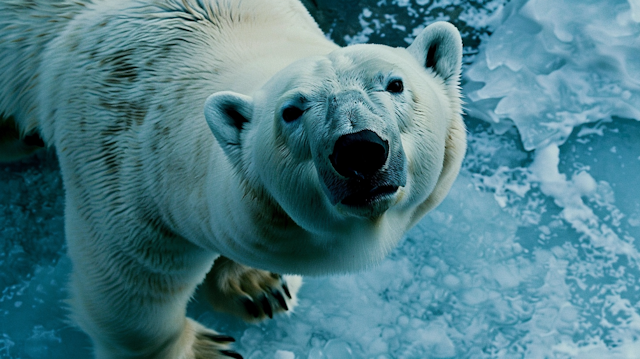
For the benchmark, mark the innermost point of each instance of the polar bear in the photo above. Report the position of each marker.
(222, 142)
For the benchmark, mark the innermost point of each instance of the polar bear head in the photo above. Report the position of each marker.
(366, 139)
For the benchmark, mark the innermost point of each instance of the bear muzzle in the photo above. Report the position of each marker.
(367, 173)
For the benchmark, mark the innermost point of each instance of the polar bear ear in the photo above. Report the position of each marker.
(227, 113)
(439, 47)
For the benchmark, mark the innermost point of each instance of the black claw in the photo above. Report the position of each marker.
(286, 290)
(266, 306)
(251, 307)
(231, 354)
(283, 303)
(220, 338)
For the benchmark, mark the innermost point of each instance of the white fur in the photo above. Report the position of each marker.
(152, 198)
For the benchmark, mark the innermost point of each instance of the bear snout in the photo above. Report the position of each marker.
(359, 155)
(364, 172)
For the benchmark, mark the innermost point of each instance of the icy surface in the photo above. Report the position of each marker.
(556, 64)
(534, 254)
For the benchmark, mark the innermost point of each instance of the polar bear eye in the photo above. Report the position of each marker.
(291, 113)
(395, 86)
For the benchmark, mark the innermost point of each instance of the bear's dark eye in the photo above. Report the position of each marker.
(291, 114)
(395, 86)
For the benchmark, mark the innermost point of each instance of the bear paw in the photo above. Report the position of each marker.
(252, 294)
(213, 346)
(204, 343)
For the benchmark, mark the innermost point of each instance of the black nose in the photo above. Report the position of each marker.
(359, 155)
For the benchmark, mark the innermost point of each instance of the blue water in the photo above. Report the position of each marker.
(532, 255)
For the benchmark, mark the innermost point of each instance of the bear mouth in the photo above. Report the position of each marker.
(368, 197)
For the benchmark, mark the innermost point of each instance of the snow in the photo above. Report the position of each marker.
(534, 253)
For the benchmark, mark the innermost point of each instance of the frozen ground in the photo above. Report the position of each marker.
(533, 255)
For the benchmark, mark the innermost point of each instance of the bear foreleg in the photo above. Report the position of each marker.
(132, 310)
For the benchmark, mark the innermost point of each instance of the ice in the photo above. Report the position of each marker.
(283, 354)
(553, 65)
(534, 254)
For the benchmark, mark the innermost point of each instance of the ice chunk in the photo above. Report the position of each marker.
(283, 354)
(635, 10)
(338, 349)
